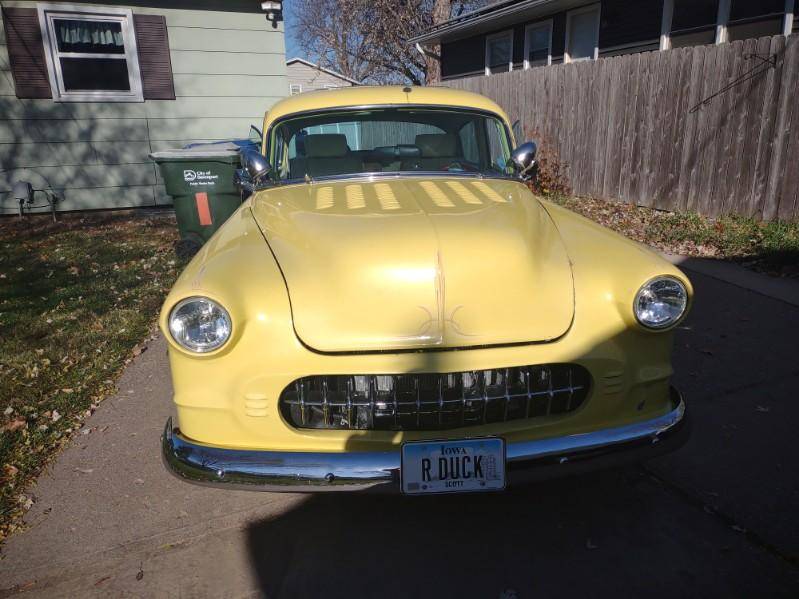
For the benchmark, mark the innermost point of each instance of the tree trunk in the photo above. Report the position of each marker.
(441, 12)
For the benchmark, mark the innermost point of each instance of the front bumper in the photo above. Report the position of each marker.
(379, 471)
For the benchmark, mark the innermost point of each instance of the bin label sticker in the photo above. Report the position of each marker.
(194, 178)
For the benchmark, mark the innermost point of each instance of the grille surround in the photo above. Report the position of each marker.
(432, 401)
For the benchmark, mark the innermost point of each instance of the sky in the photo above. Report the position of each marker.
(292, 48)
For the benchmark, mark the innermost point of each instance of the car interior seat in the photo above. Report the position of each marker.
(437, 151)
(325, 154)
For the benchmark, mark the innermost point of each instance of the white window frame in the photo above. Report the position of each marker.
(539, 25)
(86, 12)
(494, 36)
(295, 85)
(579, 11)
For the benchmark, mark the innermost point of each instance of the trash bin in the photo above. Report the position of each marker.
(200, 182)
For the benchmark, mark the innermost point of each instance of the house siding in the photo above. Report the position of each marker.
(229, 67)
(622, 23)
(312, 79)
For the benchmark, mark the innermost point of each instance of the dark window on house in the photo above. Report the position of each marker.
(499, 52)
(694, 22)
(755, 18)
(538, 44)
(746, 9)
(582, 33)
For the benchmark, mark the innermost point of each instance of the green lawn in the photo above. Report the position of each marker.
(771, 247)
(77, 300)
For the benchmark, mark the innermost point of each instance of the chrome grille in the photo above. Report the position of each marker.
(433, 401)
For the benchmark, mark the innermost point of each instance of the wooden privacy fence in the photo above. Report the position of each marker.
(713, 129)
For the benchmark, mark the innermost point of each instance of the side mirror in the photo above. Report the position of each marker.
(523, 159)
(256, 165)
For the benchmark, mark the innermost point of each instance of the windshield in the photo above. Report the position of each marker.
(389, 140)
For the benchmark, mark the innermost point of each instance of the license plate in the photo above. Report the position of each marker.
(453, 466)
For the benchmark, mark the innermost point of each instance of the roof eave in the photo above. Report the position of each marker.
(463, 25)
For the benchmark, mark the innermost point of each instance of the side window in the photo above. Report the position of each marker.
(281, 154)
(91, 54)
(468, 139)
(498, 148)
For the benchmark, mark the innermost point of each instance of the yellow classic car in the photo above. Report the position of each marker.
(393, 309)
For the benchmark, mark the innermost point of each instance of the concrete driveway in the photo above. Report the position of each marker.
(718, 518)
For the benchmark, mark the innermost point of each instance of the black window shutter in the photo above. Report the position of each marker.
(26, 53)
(152, 41)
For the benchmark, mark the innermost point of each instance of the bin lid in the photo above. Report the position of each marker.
(226, 151)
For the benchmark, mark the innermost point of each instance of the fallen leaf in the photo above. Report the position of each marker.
(84, 470)
(8, 411)
(56, 416)
(101, 580)
(10, 470)
(139, 481)
(15, 424)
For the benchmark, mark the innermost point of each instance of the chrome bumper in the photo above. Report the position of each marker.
(379, 471)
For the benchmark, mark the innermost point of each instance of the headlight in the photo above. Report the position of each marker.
(660, 303)
(199, 324)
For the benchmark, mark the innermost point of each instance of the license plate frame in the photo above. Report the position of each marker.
(412, 452)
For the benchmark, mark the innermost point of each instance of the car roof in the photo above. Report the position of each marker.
(383, 95)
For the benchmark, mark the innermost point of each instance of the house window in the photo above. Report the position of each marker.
(499, 52)
(582, 34)
(295, 88)
(696, 22)
(755, 18)
(538, 44)
(91, 53)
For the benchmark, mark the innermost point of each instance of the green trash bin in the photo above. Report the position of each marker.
(200, 182)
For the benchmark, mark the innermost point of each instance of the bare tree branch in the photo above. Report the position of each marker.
(366, 40)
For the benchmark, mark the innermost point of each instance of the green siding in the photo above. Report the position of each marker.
(229, 68)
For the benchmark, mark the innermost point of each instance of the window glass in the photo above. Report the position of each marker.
(295, 88)
(538, 45)
(98, 37)
(500, 50)
(583, 28)
(498, 146)
(689, 14)
(745, 9)
(693, 38)
(390, 140)
(468, 140)
(754, 29)
(95, 74)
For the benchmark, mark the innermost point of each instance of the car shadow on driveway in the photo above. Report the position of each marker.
(609, 533)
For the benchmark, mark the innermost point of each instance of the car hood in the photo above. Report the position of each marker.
(417, 263)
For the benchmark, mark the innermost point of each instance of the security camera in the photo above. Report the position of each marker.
(273, 10)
